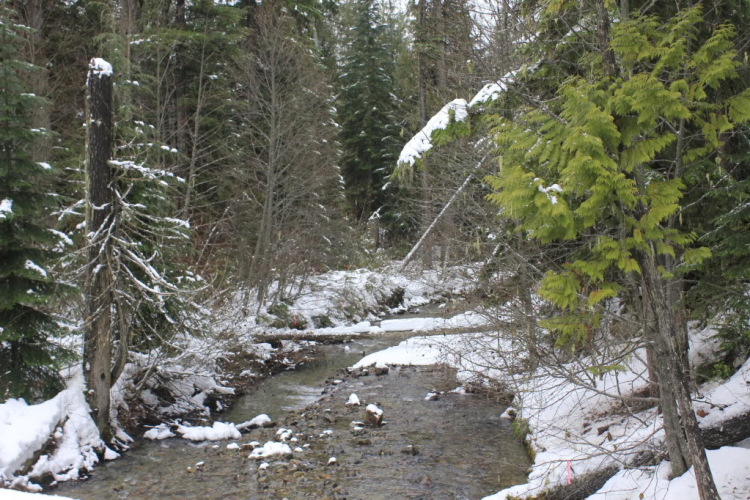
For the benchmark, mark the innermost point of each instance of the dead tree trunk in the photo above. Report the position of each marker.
(100, 197)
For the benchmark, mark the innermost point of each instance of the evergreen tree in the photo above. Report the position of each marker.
(28, 352)
(367, 110)
(613, 162)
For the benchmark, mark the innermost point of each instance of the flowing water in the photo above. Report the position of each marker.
(457, 447)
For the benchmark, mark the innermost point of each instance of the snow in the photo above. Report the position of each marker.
(728, 399)
(24, 429)
(218, 431)
(554, 188)
(422, 351)
(258, 421)
(100, 67)
(271, 448)
(469, 319)
(730, 467)
(64, 238)
(21, 495)
(334, 293)
(422, 141)
(353, 400)
(564, 417)
(44, 165)
(160, 432)
(371, 408)
(6, 207)
(492, 91)
(284, 434)
(33, 267)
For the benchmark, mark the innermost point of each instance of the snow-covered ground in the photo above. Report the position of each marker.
(193, 376)
(24, 429)
(577, 427)
(344, 296)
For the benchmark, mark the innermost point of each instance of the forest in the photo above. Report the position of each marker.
(197, 195)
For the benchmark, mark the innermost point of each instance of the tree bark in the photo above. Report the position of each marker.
(34, 17)
(100, 214)
(440, 37)
(674, 374)
(608, 56)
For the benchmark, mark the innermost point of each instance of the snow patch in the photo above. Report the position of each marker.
(161, 431)
(218, 431)
(258, 421)
(6, 207)
(353, 400)
(270, 449)
(730, 467)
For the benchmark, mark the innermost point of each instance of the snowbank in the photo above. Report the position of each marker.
(725, 400)
(343, 296)
(464, 320)
(730, 467)
(26, 429)
(416, 351)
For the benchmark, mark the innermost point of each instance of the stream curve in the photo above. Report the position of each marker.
(454, 447)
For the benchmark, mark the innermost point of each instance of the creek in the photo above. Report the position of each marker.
(456, 447)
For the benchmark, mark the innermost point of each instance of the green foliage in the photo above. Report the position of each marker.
(29, 349)
(602, 158)
(366, 109)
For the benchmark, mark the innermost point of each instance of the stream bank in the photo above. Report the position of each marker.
(454, 447)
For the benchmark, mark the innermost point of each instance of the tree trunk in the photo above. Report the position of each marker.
(126, 25)
(441, 66)
(34, 17)
(608, 56)
(180, 84)
(674, 374)
(100, 213)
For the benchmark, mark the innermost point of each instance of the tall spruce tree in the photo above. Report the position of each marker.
(28, 352)
(367, 110)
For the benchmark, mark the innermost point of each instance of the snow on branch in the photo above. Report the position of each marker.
(6, 207)
(422, 142)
